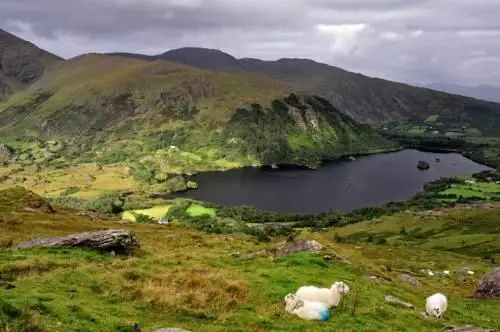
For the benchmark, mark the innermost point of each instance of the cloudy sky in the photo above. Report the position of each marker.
(452, 41)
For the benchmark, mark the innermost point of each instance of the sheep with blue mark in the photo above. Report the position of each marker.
(308, 310)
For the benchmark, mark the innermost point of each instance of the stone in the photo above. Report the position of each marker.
(300, 246)
(171, 329)
(118, 240)
(463, 271)
(489, 285)
(5, 152)
(395, 300)
(409, 280)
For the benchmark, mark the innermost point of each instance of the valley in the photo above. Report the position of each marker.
(240, 160)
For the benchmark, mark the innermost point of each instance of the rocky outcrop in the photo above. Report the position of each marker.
(21, 63)
(489, 285)
(118, 241)
(300, 246)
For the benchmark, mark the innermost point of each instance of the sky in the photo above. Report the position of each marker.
(416, 41)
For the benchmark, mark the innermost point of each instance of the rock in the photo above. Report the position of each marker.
(118, 240)
(171, 329)
(463, 271)
(5, 152)
(300, 246)
(466, 328)
(395, 300)
(489, 285)
(422, 165)
(28, 209)
(409, 280)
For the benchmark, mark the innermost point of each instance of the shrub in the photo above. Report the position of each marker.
(143, 219)
(143, 174)
(107, 203)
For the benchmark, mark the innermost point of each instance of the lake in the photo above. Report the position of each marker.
(339, 185)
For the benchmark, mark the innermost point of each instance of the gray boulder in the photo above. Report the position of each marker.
(409, 280)
(300, 246)
(118, 241)
(171, 329)
(489, 285)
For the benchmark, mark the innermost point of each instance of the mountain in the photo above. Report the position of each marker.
(364, 98)
(21, 63)
(484, 92)
(129, 109)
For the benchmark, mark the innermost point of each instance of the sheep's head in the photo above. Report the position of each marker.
(437, 312)
(340, 287)
(292, 303)
(289, 297)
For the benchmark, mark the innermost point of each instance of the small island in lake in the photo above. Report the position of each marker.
(423, 165)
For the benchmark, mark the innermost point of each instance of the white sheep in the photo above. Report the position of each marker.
(436, 305)
(308, 310)
(330, 297)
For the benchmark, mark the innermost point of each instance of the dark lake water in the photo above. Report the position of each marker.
(340, 185)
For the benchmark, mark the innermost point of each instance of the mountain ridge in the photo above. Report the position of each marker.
(481, 91)
(100, 103)
(21, 63)
(366, 99)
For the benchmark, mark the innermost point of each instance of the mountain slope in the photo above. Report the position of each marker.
(21, 63)
(364, 98)
(128, 109)
(484, 92)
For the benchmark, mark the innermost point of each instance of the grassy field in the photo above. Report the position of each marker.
(196, 210)
(156, 212)
(185, 278)
(483, 190)
(88, 181)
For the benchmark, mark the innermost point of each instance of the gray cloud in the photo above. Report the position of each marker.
(455, 41)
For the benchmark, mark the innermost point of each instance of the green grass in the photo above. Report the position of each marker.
(156, 212)
(196, 210)
(432, 118)
(478, 189)
(471, 231)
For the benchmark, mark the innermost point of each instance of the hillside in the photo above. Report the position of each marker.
(364, 98)
(209, 282)
(21, 63)
(121, 109)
